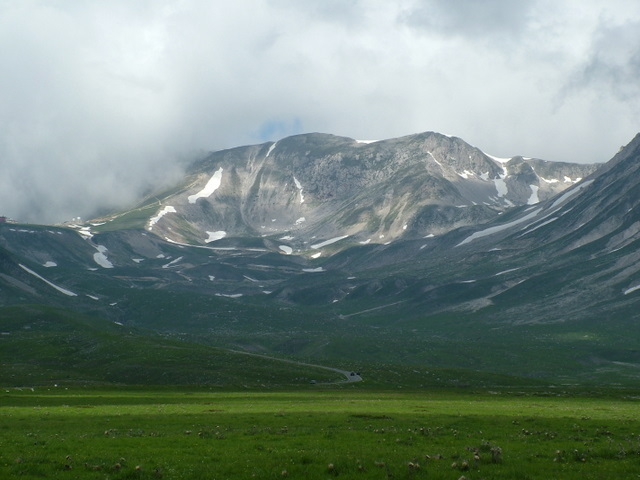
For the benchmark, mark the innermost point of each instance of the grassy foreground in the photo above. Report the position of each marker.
(198, 434)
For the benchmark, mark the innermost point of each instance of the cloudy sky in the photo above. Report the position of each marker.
(101, 99)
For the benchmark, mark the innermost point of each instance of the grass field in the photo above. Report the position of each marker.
(345, 432)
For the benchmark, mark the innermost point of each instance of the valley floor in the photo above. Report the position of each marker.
(317, 433)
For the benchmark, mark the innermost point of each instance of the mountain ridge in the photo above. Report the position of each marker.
(502, 282)
(321, 186)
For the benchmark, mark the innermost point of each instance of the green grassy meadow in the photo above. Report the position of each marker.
(190, 433)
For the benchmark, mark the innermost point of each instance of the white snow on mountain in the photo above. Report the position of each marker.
(69, 293)
(434, 159)
(159, 215)
(570, 180)
(570, 193)
(501, 185)
(213, 236)
(506, 271)
(299, 187)
(328, 242)
(270, 150)
(50, 264)
(101, 258)
(631, 290)
(533, 199)
(548, 180)
(300, 220)
(497, 159)
(466, 174)
(172, 262)
(286, 249)
(499, 228)
(212, 185)
(528, 231)
(313, 270)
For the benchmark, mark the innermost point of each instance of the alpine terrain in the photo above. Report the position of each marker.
(420, 254)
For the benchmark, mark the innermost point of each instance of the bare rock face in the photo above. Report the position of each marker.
(314, 188)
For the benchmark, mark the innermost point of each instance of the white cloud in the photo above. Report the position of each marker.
(102, 99)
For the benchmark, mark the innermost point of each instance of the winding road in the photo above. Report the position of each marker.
(350, 376)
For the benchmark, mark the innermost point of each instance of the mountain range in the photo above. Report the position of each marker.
(420, 252)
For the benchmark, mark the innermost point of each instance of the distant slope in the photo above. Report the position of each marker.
(46, 346)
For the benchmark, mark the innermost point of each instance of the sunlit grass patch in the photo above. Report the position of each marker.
(184, 434)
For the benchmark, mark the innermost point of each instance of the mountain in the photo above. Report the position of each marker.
(314, 189)
(417, 251)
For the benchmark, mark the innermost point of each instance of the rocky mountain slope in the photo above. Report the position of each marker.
(404, 250)
(309, 191)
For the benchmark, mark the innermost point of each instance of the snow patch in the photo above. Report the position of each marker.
(631, 290)
(85, 232)
(101, 258)
(299, 187)
(506, 271)
(172, 262)
(212, 278)
(501, 185)
(566, 195)
(69, 293)
(466, 174)
(232, 295)
(93, 297)
(328, 242)
(160, 214)
(499, 228)
(434, 159)
(497, 159)
(533, 199)
(365, 242)
(313, 270)
(50, 264)
(548, 180)
(552, 219)
(300, 220)
(316, 255)
(286, 249)
(270, 150)
(138, 260)
(212, 185)
(367, 141)
(213, 236)
(287, 237)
